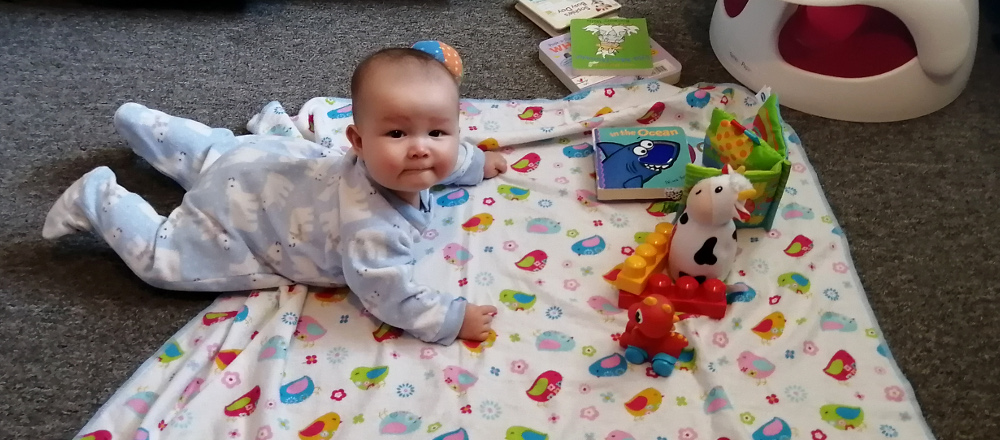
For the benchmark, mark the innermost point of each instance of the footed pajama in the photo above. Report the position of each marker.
(265, 211)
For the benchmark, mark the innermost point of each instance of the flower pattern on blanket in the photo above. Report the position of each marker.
(798, 352)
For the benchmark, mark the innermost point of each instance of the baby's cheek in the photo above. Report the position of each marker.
(444, 168)
(449, 159)
(393, 166)
(384, 174)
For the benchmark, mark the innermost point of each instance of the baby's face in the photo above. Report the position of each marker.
(408, 130)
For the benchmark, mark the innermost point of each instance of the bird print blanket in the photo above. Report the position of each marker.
(798, 353)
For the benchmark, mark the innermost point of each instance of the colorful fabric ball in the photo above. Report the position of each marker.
(443, 53)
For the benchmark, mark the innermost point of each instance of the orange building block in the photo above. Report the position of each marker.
(649, 258)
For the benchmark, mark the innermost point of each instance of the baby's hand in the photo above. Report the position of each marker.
(495, 165)
(476, 326)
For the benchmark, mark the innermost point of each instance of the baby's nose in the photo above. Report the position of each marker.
(419, 149)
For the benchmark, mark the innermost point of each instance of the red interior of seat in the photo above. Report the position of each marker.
(843, 41)
(734, 7)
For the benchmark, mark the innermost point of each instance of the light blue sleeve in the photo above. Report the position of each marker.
(378, 268)
(468, 167)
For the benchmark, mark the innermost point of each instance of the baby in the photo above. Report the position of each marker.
(268, 211)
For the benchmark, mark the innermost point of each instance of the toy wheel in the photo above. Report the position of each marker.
(663, 364)
(636, 355)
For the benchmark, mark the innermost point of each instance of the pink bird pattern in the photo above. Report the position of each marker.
(190, 391)
(755, 367)
(619, 435)
(459, 379)
(604, 307)
(309, 330)
(456, 254)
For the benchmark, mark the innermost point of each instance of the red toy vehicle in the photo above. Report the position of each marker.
(650, 337)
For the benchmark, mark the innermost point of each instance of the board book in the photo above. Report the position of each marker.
(553, 16)
(642, 163)
(555, 54)
(610, 46)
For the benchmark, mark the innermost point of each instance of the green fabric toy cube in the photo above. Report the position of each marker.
(760, 148)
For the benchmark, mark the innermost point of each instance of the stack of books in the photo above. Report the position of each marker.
(555, 53)
(553, 16)
(592, 47)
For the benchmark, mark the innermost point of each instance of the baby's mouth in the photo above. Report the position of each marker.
(417, 170)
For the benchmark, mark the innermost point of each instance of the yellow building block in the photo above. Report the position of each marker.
(650, 257)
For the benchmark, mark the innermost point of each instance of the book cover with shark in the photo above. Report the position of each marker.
(641, 163)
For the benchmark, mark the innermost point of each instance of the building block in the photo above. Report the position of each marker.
(686, 295)
(649, 258)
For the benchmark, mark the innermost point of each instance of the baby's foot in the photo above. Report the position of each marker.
(66, 215)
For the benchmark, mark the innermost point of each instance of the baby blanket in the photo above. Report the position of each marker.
(798, 354)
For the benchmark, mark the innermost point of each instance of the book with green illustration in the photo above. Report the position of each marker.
(641, 163)
(555, 54)
(610, 46)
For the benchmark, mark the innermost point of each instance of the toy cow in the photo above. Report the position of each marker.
(650, 337)
(703, 244)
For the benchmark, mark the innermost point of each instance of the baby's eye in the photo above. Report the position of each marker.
(395, 134)
(436, 133)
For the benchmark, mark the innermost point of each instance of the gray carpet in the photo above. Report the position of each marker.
(918, 199)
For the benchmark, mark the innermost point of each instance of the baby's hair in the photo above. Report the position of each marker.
(393, 57)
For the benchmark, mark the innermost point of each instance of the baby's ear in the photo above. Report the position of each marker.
(354, 136)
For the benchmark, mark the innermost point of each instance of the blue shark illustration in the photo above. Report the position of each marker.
(630, 166)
